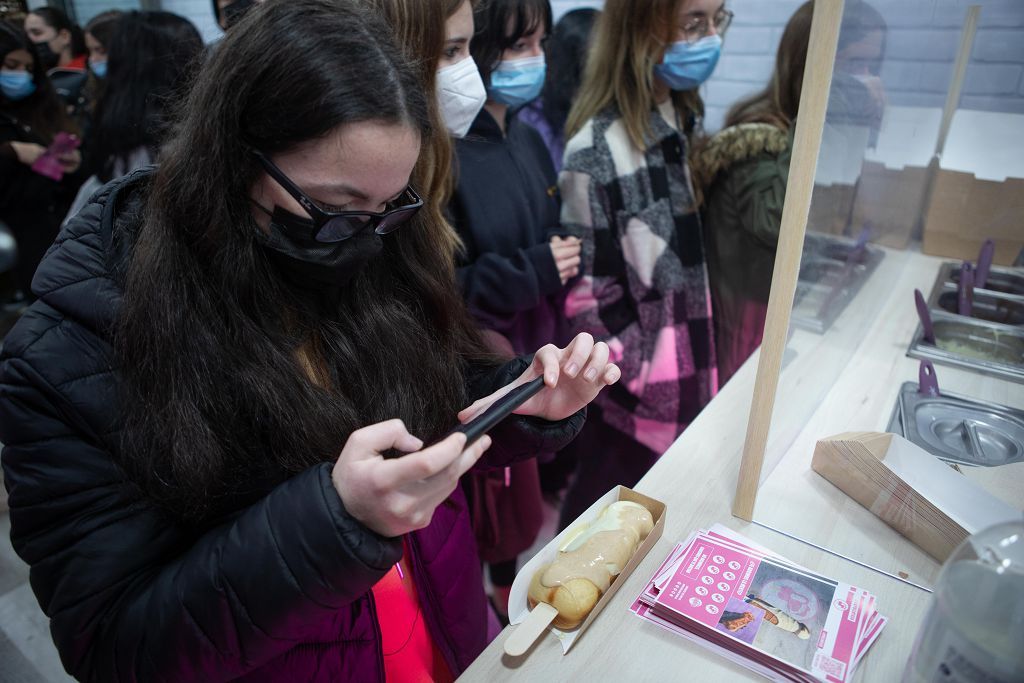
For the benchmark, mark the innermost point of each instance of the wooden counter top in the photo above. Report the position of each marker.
(697, 479)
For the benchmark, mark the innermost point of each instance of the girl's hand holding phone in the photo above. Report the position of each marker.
(393, 496)
(573, 376)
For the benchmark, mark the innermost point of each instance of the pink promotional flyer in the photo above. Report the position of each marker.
(760, 610)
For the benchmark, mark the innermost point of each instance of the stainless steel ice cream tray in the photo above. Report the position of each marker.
(958, 429)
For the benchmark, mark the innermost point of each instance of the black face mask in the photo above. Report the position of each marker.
(234, 11)
(47, 57)
(309, 264)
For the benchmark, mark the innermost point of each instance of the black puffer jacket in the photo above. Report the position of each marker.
(279, 591)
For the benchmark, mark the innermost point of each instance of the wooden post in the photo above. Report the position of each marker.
(959, 74)
(956, 87)
(821, 54)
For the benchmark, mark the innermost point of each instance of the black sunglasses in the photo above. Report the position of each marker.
(336, 226)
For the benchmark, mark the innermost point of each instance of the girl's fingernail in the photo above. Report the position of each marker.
(550, 378)
(591, 374)
(572, 370)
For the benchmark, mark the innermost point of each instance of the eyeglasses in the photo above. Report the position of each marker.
(696, 28)
(337, 226)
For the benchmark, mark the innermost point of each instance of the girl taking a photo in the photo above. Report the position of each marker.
(224, 421)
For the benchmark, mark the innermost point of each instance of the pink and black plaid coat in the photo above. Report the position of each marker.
(644, 284)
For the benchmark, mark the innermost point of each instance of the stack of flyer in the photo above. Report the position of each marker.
(721, 590)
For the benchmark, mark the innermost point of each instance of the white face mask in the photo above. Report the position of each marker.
(461, 95)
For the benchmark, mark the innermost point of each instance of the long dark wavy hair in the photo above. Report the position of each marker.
(779, 102)
(231, 376)
(103, 25)
(150, 56)
(43, 110)
(566, 56)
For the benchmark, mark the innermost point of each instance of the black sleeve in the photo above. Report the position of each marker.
(133, 596)
(497, 285)
(519, 437)
(12, 178)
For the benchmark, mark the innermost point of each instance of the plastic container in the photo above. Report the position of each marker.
(974, 629)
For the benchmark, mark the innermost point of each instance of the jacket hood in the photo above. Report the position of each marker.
(734, 145)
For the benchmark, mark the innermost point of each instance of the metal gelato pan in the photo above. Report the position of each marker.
(958, 429)
(985, 306)
(1002, 280)
(972, 344)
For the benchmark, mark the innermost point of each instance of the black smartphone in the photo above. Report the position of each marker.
(499, 410)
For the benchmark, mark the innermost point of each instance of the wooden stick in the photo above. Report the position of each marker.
(530, 629)
(956, 87)
(821, 53)
(959, 75)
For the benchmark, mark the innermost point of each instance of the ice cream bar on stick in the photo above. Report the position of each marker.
(567, 590)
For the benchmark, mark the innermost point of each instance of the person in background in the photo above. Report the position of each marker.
(626, 190)
(505, 205)
(515, 263)
(857, 95)
(151, 56)
(59, 41)
(229, 12)
(566, 55)
(213, 475)
(419, 29)
(742, 172)
(31, 117)
(99, 33)
(61, 46)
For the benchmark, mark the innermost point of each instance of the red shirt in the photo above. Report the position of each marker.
(78, 63)
(410, 655)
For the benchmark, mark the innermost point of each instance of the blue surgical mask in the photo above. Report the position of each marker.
(99, 68)
(687, 65)
(16, 84)
(517, 81)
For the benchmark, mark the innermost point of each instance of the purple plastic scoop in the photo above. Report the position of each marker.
(927, 383)
(965, 290)
(988, 250)
(925, 316)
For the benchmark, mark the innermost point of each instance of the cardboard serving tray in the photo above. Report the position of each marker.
(518, 604)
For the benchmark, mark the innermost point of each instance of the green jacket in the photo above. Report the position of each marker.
(743, 170)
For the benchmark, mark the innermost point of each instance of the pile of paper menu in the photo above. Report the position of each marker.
(910, 489)
(724, 592)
